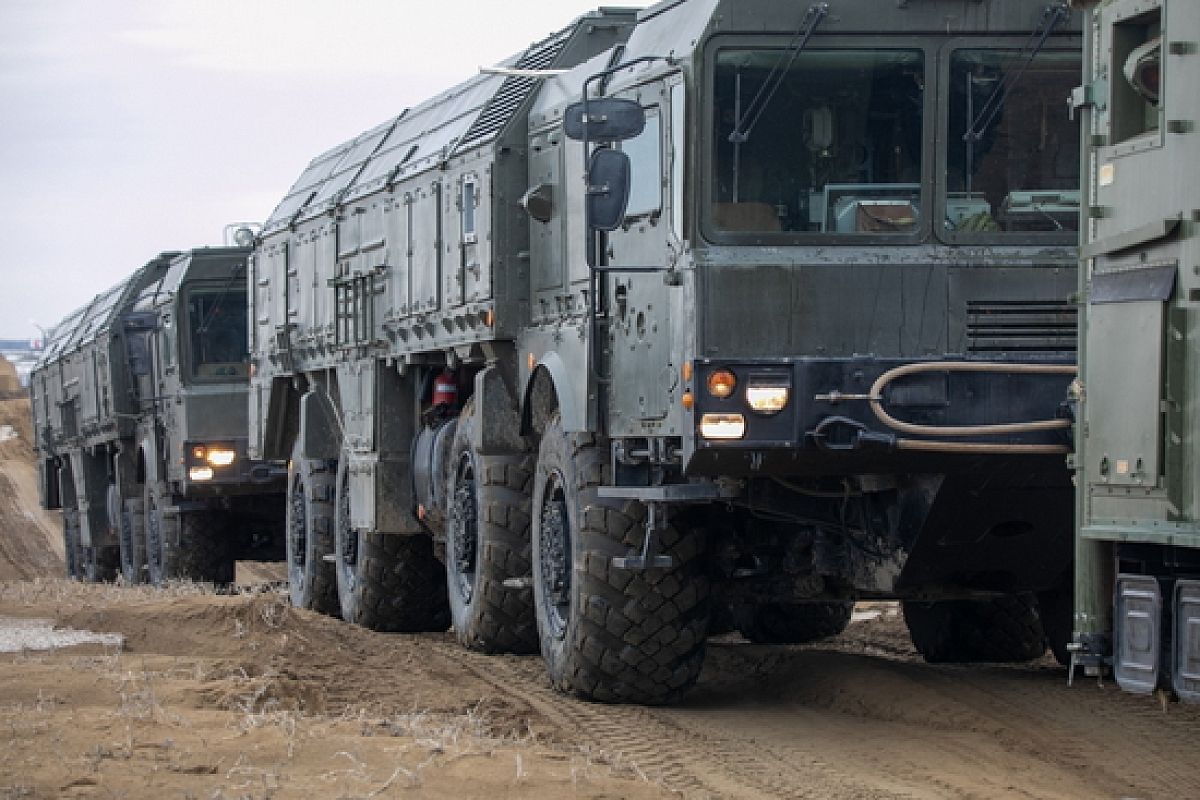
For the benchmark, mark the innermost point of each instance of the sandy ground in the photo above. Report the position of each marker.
(195, 695)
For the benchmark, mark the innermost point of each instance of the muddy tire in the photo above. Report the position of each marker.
(609, 634)
(162, 532)
(1003, 629)
(132, 536)
(206, 553)
(70, 524)
(1057, 609)
(792, 623)
(100, 564)
(312, 582)
(386, 582)
(487, 543)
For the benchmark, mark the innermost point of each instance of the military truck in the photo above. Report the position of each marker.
(1137, 607)
(721, 310)
(139, 413)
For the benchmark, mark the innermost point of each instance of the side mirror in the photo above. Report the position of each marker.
(608, 189)
(608, 119)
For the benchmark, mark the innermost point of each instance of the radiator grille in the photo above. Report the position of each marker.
(1021, 326)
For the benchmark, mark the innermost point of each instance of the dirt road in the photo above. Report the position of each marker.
(243, 697)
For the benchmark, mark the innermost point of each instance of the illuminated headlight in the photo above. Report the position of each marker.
(722, 426)
(767, 399)
(200, 474)
(220, 458)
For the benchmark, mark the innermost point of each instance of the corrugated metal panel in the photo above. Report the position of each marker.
(515, 90)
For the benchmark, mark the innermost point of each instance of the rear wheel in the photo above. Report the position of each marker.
(70, 523)
(311, 580)
(609, 634)
(162, 532)
(792, 623)
(1003, 629)
(386, 582)
(487, 544)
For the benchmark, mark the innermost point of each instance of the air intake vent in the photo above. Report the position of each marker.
(513, 92)
(995, 326)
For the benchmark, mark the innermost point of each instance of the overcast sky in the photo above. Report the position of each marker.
(128, 128)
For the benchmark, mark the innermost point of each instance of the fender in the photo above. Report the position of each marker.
(571, 405)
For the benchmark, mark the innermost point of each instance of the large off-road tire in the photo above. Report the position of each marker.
(487, 544)
(609, 634)
(1004, 629)
(386, 582)
(100, 563)
(312, 583)
(70, 524)
(162, 532)
(1057, 609)
(792, 623)
(131, 535)
(206, 553)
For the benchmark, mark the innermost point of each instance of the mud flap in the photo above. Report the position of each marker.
(1186, 659)
(1138, 633)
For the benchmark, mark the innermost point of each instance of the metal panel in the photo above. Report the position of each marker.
(425, 237)
(1125, 385)
(1186, 660)
(1137, 633)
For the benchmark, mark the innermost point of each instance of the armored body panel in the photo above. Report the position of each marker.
(409, 239)
(1139, 444)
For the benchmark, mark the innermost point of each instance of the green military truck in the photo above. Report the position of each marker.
(139, 413)
(720, 312)
(1138, 457)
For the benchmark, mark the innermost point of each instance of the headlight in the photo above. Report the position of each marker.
(200, 474)
(220, 458)
(722, 426)
(767, 399)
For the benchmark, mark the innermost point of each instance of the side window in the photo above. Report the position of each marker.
(645, 157)
(468, 202)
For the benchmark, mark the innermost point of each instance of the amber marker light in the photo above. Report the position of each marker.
(198, 452)
(686, 371)
(530, 362)
(722, 426)
(721, 383)
(687, 400)
(489, 318)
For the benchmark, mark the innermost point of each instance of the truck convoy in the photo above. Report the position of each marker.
(723, 309)
(1138, 442)
(139, 412)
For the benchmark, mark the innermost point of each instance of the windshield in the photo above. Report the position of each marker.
(217, 333)
(831, 146)
(1012, 153)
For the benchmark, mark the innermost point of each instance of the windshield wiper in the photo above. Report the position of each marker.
(745, 122)
(1052, 16)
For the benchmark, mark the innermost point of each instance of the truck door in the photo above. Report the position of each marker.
(643, 375)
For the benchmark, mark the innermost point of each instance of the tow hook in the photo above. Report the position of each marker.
(842, 434)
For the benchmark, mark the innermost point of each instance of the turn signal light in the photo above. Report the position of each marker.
(721, 383)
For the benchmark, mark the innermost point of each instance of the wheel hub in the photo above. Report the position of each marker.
(555, 572)
(464, 532)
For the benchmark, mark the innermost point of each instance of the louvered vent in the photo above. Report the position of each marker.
(1020, 326)
(513, 92)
